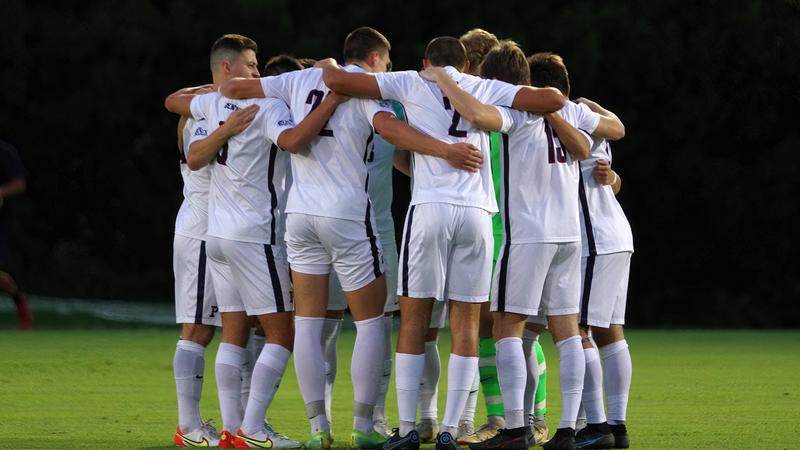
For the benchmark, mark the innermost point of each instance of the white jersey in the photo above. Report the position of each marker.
(539, 178)
(192, 219)
(604, 227)
(248, 178)
(379, 165)
(428, 110)
(330, 178)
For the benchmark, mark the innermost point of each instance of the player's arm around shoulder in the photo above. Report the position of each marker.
(296, 139)
(355, 84)
(203, 150)
(539, 100)
(610, 126)
(480, 115)
(180, 101)
(240, 88)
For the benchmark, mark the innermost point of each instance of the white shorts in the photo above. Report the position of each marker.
(447, 253)
(336, 300)
(604, 289)
(250, 276)
(317, 244)
(538, 280)
(195, 301)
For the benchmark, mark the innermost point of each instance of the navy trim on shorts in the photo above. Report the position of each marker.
(201, 284)
(276, 280)
(373, 246)
(503, 275)
(273, 153)
(587, 219)
(405, 249)
(588, 274)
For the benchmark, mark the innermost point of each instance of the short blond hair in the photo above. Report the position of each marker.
(478, 42)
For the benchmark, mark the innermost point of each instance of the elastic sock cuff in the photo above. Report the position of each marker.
(274, 356)
(190, 346)
(613, 348)
(230, 354)
(566, 341)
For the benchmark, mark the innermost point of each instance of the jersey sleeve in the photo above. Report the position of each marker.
(198, 132)
(277, 119)
(200, 105)
(396, 85)
(372, 107)
(499, 93)
(508, 119)
(279, 86)
(587, 119)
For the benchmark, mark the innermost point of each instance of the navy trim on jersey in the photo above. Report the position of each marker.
(587, 220)
(373, 240)
(201, 284)
(503, 275)
(276, 280)
(273, 153)
(588, 274)
(405, 249)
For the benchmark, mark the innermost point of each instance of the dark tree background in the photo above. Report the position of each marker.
(708, 92)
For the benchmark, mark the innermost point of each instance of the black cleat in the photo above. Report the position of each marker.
(408, 442)
(515, 438)
(621, 439)
(564, 439)
(446, 441)
(595, 435)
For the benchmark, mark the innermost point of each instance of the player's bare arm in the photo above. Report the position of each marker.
(12, 188)
(604, 175)
(201, 152)
(539, 100)
(179, 101)
(181, 124)
(297, 139)
(610, 127)
(485, 117)
(362, 85)
(238, 88)
(402, 161)
(575, 142)
(460, 155)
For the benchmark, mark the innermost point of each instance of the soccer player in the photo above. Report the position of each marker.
(246, 207)
(330, 225)
(446, 254)
(605, 265)
(12, 184)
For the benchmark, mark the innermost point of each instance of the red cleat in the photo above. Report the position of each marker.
(24, 316)
(228, 440)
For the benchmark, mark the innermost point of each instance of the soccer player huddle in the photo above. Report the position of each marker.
(513, 228)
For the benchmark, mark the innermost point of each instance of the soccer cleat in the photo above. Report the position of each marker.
(539, 431)
(620, 432)
(564, 439)
(359, 439)
(382, 427)
(24, 316)
(595, 435)
(484, 433)
(428, 429)
(205, 436)
(465, 429)
(446, 441)
(228, 440)
(408, 442)
(515, 438)
(321, 440)
(267, 438)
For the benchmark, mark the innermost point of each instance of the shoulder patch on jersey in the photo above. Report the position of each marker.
(200, 132)
(286, 123)
(231, 106)
(385, 103)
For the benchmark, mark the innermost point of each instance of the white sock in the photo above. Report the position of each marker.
(593, 387)
(369, 348)
(330, 334)
(460, 373)
(512, 375)
(247, 370)
(267, 376)
(380, 402)
(571, 369)
(617, 373)
(256, 344)
(408, 371)
(310, 369)
(580, 422)
(468, 416)
(529, 339)
(228, 370)
(188, 365)
(429, 383)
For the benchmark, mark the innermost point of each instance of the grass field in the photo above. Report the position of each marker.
(105, 387)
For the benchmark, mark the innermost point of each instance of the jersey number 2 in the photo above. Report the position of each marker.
(314, 98)
(454, 131)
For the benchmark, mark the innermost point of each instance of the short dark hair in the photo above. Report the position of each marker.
(281, 64)
(307, 62)
(362, 41)
(507, 62)
(548, 70)
(477, 42)
(229, 47)
(446, 51)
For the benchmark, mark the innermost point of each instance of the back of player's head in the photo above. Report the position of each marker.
(281, 64)
(307, 62)
(446, 51)
(477, 42)
(229, 47)
(362, 41)
(506, 62)
(548, 70)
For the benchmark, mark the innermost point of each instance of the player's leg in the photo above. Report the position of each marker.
(487, 367)
(10, 287)
(390, 307)
(464, 318)
(428, 426)
(254, 347)
(466, 425)
(540, 400)
(330, 335)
